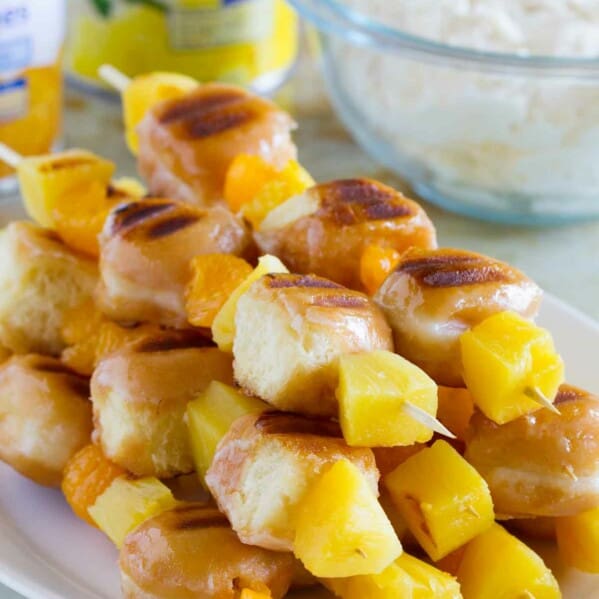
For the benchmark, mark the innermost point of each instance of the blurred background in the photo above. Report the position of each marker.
(486, 111)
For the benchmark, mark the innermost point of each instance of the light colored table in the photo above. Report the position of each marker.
(564, 261)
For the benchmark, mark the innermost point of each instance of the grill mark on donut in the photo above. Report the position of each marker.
(275, 423)
(171, 225)
(567, 393)
(199, 519)
(287, 281)
(212, 123)
(350, 201)
(340, 301)
(455, 270)
(196, 103)
(133, 213)
(168, 343)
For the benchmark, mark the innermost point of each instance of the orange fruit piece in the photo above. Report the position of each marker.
(376, 264)
(454, 410)
(215, 277)
(86, 476)
(81, 213)
(245, 177)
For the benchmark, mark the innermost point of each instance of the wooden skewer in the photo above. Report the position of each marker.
(537, 395)
(114, 77)
(9, 156)
(426, 419)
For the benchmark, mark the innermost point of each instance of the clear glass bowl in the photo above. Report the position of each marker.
(500, 137)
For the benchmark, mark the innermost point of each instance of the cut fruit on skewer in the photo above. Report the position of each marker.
(386, 401)
(536, 395)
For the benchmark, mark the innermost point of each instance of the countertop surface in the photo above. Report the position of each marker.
(564, 261)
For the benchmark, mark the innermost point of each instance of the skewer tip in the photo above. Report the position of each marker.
(537, 395)
(10, 156)
(114, 77)
(426, 419)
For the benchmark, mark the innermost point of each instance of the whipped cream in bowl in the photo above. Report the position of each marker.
(488, 107)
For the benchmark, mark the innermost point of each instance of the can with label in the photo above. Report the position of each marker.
(248, 42)
(31, 39)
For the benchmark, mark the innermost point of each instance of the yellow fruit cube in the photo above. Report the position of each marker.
(341, 529)
(391, 583)
(291, 180)
(505, 359)
(210, 416)
(578, 540)
(428, 581)
(223, 325)
(44, 180)
(443, 499)
(496, 564)
(128, 503)
(144, 92)
(129, 186)
(373, 387)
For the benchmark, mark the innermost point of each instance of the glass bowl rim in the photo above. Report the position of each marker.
(331, 17)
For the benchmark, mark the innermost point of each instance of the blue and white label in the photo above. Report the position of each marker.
(31, 34)
(14, 99)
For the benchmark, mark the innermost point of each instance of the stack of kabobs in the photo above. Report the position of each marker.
(361, 406)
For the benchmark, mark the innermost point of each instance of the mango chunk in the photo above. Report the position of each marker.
(428, 581)
(223, 325)
(44, 180)
(372, 389)
(376, 263)
(496, 564)
(455, 409)
(245, 177)
(442, 498)
(505, 358)
(341, 528)
(210, 416)
(126, 504)
(144, 92)
(578, 540)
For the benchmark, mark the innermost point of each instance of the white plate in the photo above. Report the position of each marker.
(47, 553)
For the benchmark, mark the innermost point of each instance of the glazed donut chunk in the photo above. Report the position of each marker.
(45, 416)
(139, 396)
(433, 296)
(541, 464)
(187, 144)
(343, 218)
(191, 551)
(264, 465)
(40, 279)
(290, 332)
(145, 251)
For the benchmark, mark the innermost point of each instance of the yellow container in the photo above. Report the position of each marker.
(31, 40)
(247, 42)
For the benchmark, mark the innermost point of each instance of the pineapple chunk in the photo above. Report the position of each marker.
(290, 181)
(428, 581)
(144, 92)
(130, 186)
(45, 179)
(496, 564)
(443, 499)
(128, 503)
(391, 583)
(372, 389)
(406, 577)
(578, 540)
(296, 207)
(223, 325)
(210, 416)
(504, 358)
(341, 529)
